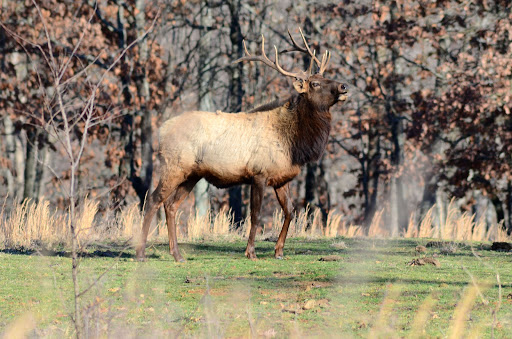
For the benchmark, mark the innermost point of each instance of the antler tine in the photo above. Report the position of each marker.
(245, 48)
(310, 69)
(325, 60)
(264, 59)
(296, 46)
(307, 47)
(282, 71)
(263, 48)
(250, 57)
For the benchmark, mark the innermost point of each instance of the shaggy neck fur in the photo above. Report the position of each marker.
(304, 128)
(311, 132)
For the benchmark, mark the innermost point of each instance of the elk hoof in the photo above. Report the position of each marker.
(250, 254)
(177, 257)
(140, 255)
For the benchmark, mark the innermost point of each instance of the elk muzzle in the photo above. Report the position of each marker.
(342, 92)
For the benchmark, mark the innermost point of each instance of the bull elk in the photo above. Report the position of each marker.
(265, 146)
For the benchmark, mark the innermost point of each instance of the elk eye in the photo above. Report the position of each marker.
(315, 84)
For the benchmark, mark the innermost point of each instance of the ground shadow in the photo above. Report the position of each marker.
(99, 253)
(262, 249)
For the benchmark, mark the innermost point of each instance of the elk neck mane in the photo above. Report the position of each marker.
(304, 128)
(311, 132)
(270, 105)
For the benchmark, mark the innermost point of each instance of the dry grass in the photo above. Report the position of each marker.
(31, 224)
(220, 224)
(84, 221)
(455, 226)
(128, 221)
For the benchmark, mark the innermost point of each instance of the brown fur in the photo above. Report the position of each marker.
(265, 147)
(230, 149)
(269, 106)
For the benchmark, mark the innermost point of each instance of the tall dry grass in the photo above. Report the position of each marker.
(30, 224)
(454, 226)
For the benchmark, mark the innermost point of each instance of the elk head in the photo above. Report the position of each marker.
(319, 91)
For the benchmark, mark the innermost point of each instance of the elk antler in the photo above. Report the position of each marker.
(322, 65)
(275, 65)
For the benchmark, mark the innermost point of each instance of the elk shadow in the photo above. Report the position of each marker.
(263, 249)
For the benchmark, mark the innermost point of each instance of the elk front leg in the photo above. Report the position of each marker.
(283, 197)
(171, 206)
(257, 190)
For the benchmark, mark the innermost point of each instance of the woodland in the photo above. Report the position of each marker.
(427, 119)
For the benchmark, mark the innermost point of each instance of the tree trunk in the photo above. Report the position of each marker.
(499, 212)
(10, 149)
(316, 185)
(441, 212)
(310, 186)
(204, 77)
(509, 207)
(30, 163)
(372, 178)
(429, 193)
(141, 182)
(146, 170)
(310, 194)
(394, 221)
(19, 160)
(236, 94)
(126, 166)
(41, 169)
(398, 206)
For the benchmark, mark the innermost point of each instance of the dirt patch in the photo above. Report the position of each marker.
(330, 258)
(424, 261)
(281, 297)
(278, 274)
(309, 285)
(202, 291)
(312, 303)
(270, 238)
(421, 249)
(440, 244)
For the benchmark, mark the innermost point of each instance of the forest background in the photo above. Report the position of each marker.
(427, 119)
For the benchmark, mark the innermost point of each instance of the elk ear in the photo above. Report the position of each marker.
(300, 85)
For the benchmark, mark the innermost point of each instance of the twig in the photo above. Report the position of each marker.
(121, 252)
(473, 281)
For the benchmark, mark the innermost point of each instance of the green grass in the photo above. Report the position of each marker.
(218, 292)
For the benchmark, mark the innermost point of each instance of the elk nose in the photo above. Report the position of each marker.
(342, 88)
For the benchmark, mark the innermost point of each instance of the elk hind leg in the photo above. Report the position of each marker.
(156, 199)
(257, 190)
(282, 194)
(171, 206)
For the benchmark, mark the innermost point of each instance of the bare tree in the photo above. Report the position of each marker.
(68, 120)
(205, 103)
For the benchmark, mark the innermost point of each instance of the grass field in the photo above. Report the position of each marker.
(368, 291)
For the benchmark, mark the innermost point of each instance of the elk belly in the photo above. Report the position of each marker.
(238, 164)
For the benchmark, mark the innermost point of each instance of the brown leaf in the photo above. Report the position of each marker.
(309, 304)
